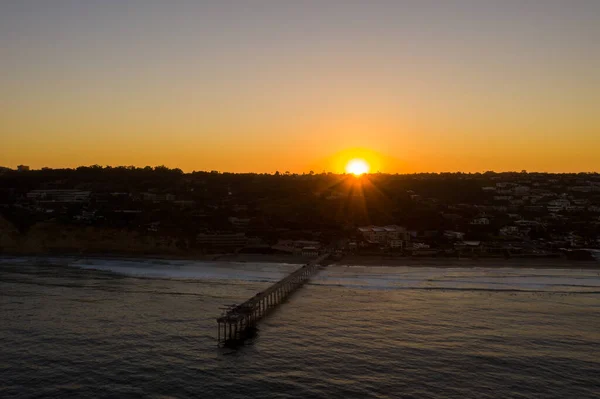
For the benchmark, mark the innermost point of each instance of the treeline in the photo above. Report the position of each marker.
(445, 187)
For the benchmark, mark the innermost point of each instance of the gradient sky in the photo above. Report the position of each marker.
(254, 85)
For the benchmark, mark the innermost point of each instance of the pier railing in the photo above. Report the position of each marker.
(240, 320)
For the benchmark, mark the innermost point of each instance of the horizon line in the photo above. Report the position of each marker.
(285, 173)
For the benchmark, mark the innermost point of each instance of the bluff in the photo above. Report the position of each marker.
(54, 238)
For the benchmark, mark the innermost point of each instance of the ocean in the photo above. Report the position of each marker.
(132, 328)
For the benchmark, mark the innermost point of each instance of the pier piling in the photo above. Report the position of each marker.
(240, 320)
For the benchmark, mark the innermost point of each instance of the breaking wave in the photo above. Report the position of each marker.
(358, 277)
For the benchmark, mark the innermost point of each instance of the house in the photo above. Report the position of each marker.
(534, 208)
(469, 247)
(394, 236)
(395, 233)
(581, 201)
(311, 252)
(296, 247)
(454, 217)
(397, 243)
(239, 223)
(185, 203)
(68, 196)
(575, 208)
(504, 184)
(527, 223)
(221, 240)
(378, 234)
(86, 216)
(158, 197)
(521, 190)
(454, 235)
(558, 205)
(153, 226)
(582, 189)
(509, 231)
(420, 245)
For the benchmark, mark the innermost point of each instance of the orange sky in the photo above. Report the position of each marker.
(413, 88)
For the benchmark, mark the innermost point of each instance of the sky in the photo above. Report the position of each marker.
(256, 85)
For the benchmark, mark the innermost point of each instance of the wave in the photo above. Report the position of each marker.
(357, 277)
(491, 279)
(465, 289)
(194, 270)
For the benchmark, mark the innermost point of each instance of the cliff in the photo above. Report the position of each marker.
(46, 238)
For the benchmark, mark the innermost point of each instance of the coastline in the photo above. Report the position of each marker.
(438, 262)
(523, 263)
(349, 260)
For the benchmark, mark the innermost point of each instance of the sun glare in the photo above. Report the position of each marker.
(357, 167)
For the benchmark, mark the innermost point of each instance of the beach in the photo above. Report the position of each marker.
(348, 260)
(371, 260)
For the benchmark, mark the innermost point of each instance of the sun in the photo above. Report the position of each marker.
(357, 166)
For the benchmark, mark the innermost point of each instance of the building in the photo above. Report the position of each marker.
(558, 205)
(158, 197)
(223, 241)
(521, 190)
(297, 247)
(22, 168)
(509, 231)
(311, 252)
(454, 235)
(393, 236)
(185, 203)
(240, 223)
(68, 196)
(480, 221)
(469, 247)
(397, 243)
(527, 223)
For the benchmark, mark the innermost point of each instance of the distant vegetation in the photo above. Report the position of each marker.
(168, 202)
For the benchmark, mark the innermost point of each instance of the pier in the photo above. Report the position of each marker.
(239, 321)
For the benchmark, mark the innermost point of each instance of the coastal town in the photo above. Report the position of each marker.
(162, 211)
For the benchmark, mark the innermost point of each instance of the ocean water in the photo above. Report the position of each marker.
(144, 328)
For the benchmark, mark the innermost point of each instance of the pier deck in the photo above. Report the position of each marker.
(237, 322)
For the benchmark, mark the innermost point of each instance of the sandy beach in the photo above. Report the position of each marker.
(559, 263)
(349, 260)
(358, 260)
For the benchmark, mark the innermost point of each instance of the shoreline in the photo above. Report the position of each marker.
(515, 263)
(349, 260)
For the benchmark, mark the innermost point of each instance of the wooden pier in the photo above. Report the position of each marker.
(239, 321)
